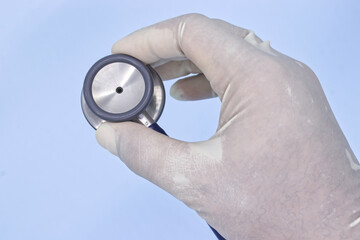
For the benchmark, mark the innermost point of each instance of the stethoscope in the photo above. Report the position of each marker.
(120, 88)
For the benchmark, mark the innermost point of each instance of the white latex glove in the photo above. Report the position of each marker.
(278, 166)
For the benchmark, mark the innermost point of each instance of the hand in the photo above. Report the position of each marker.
(278, 166)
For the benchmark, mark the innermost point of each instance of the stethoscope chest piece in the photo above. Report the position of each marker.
(121, 88)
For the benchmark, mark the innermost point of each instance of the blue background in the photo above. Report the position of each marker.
(57, 183)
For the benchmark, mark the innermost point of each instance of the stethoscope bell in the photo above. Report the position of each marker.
(121, 88)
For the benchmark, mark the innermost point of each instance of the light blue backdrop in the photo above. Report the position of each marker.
(57, 183)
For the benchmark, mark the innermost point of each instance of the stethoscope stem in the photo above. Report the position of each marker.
(157, 128)
(217, 234)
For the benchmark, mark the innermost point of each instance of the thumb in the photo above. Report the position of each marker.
(146, 152)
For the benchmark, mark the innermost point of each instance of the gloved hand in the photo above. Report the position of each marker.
(278, 166)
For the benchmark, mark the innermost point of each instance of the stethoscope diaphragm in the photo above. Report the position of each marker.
(121, 88)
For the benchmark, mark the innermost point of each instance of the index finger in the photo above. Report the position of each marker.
(209, 44)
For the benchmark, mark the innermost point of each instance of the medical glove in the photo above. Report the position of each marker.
(278, 166)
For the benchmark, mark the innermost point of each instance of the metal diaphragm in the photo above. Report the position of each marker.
(120, 88)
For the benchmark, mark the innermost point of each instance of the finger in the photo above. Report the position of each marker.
(146, 152)
(192, 88)
(175, 69)
(203, 41)
(164, 61)
(153, 43)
